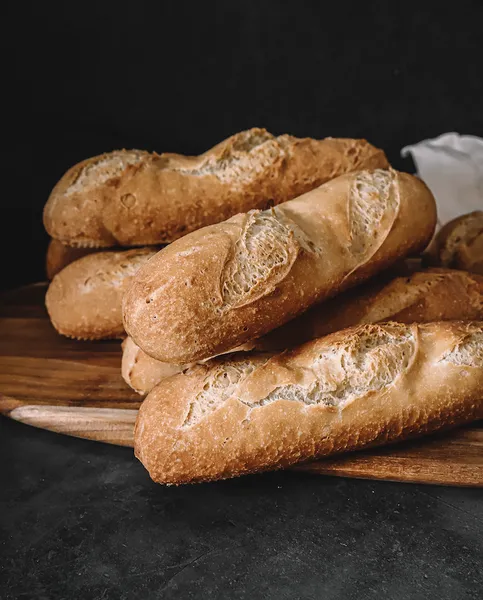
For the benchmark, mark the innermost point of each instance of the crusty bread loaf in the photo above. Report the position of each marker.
(59, 256)
(229, 283)
(459, 244)
(132, 198)
(431, 295)
(424, 296)
(368, 385)
(84, 299)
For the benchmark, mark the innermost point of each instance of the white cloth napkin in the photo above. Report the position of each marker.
(451, 165)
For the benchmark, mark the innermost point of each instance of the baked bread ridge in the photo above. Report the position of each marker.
(142, 372)
(84, 299)
(364, 386)
(433, 294)
(135, 198)
(59, 256)
(229, 283)
(459, 244)
(424, 296)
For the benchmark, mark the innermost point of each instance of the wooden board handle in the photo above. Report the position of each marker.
(110, 425)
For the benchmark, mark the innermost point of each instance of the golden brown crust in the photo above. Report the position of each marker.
(84, 299)
(226, 284)
(421, 297)
(59, 256)
(459, 244)
(140, 371)
(367, 385)
(132, 198)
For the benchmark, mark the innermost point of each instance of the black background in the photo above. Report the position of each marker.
(87, 77)
(82, 520)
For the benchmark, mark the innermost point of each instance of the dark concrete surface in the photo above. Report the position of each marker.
(81, 519)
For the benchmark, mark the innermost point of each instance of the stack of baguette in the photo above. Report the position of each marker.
(274, 298)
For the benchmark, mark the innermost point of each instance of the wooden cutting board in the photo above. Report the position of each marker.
(76, 388)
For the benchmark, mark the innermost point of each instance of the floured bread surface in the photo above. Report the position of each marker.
(84, 299)
(270, 241)
(220, 385)
(367, 361)
(103, 169)
(367, 385)
(239, 162)
(225, 285)
(115, 270)
(262, 257)
(373, 203)
(133, 198)
(468, 352)
(75, 213)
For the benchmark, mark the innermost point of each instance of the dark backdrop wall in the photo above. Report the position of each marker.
(84, 78)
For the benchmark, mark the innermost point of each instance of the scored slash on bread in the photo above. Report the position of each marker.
(364, 386)
(431, 295)
(135, 198)
(230, 283)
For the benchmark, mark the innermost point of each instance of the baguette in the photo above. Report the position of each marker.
(431, 295)
(59, 256)
(365, 386)
(424, 296)
(459, 244)
(135, 198)
(84, 299)
(229, 283)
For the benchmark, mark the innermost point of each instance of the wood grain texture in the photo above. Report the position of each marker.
(76, 388)
(39, 366)
(452, 458)
(111, 425)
